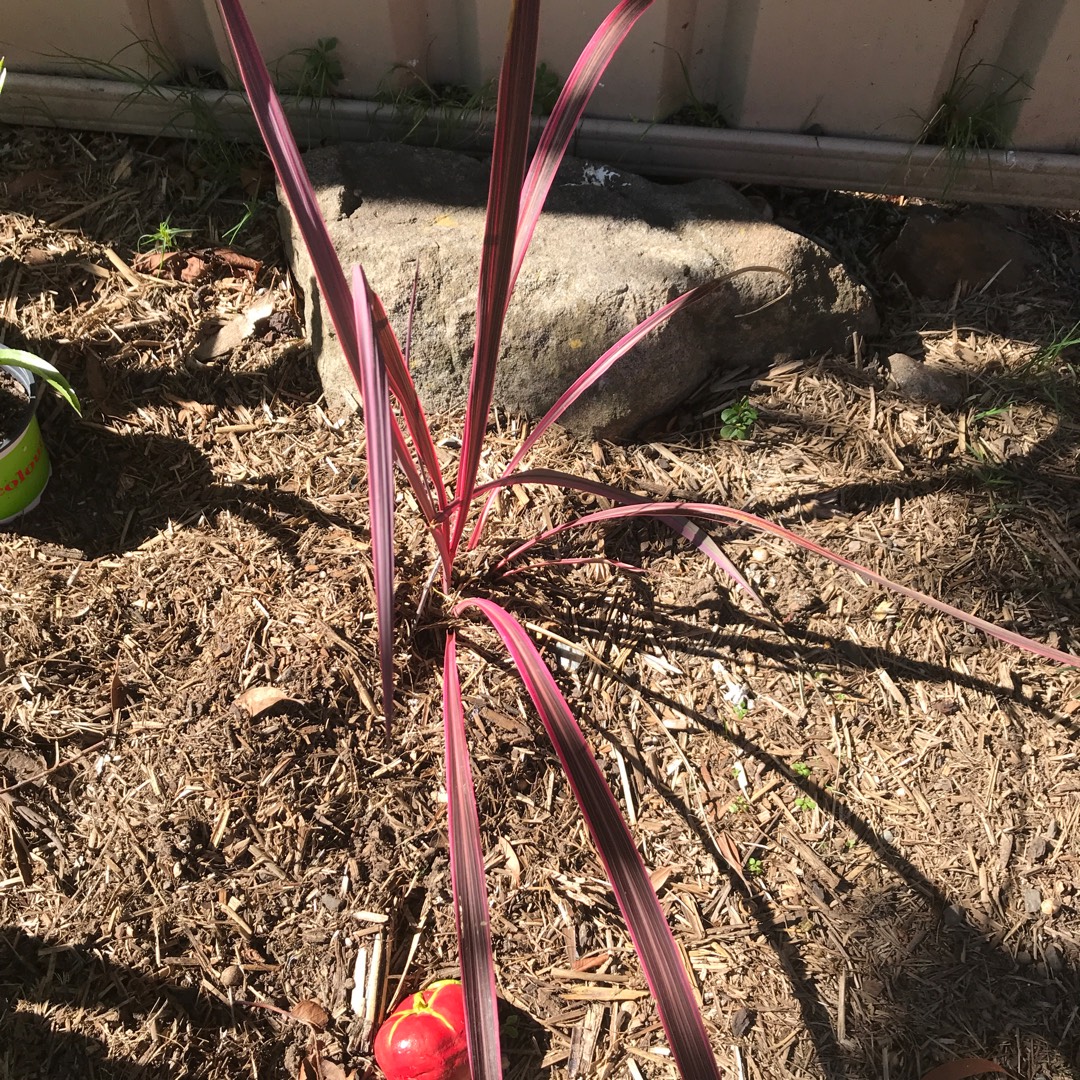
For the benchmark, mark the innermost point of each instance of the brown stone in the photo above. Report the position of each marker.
(932, 255)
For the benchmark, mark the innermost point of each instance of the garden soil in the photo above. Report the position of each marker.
(862, 819)
(14, 406)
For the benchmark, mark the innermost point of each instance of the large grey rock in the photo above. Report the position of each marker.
(610, 249)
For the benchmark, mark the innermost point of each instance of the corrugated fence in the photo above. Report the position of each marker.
(875, 69)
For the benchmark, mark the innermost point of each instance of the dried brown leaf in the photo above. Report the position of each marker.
(742, 1020)
(331, 1070)
(32, 178)
(154, 262)
(513, 864)
(962, 1068)
(21, 850)
(224, 338)
(310, 1012)
(194, 269)
(259, 699)
(238, 263)
(731, 856)
(659, 876)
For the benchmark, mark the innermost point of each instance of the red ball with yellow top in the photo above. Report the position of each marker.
(424, 1037)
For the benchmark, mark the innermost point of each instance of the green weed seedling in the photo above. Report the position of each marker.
(546, 90)
(320, 72)
(155, 72)
(1056, 351)
(738, 419)
(989, 414)
(694, 112)
(250, 209)
(417, 101)
(450, 104)
(313, 75)
(802, 770)
(754, 866)
(163, 238)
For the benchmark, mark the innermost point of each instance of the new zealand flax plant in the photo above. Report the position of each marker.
(397, 433)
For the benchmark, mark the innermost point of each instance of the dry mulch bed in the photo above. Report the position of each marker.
(902, 796)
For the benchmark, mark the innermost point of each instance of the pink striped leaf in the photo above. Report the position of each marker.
(285, 155)
(564, 118)
(727, 513)
(660, 958)
(404, 390)
(604, 364)
(681, 525)
(469, 884)
(512, 122)
(378, 422)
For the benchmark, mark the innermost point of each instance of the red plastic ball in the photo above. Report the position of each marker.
(424, 1037)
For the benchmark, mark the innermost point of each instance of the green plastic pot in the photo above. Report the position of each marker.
(24, 461)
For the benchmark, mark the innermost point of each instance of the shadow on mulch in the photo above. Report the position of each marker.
(930, 974)
(39, 981)
(953, 985)
(110, 492)
(950, 984)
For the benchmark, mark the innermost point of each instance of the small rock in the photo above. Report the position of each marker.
(1033, 901)
(742, 1020)
(931, 255)
(330, 902)
(232, 976)
(928, 383)
(1036, 850)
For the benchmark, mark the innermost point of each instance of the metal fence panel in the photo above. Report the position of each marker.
(856, 68)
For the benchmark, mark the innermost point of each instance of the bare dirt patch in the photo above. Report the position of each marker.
(901, 795)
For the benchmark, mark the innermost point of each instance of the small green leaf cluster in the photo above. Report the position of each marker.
(738, 419)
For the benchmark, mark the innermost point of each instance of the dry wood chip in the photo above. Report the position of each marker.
(601, 993)
(259, 699)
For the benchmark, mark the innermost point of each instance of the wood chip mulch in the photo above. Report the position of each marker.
(862, 819)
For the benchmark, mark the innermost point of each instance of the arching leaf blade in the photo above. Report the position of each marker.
(469, 884)
(660, 957)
